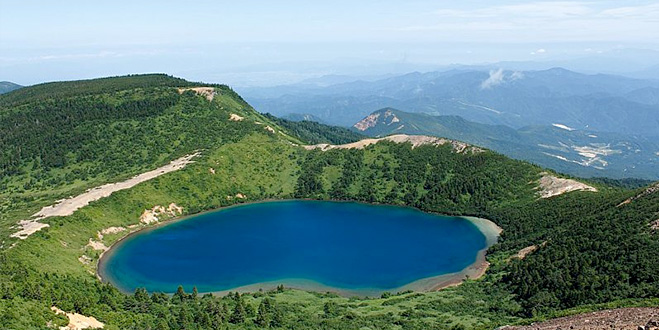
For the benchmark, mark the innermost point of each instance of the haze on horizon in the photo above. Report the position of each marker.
(267, 43)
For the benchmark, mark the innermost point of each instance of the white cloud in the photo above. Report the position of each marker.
(539, 51)
(496, 78)
(517, 75)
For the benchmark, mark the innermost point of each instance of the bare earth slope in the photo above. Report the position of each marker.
(619, 319)
(68, 206)
(415, 140)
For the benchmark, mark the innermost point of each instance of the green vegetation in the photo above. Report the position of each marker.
(545, 145)
(591, 253)
(312, 132)
(59, 139)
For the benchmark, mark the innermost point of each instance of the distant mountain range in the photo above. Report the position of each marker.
(577, 152)
(302, 117)
(602, 103)
(7, 86)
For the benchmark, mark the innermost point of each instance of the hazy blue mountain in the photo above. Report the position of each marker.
(577, 152)
(7, 86)
(651, 72)
(514, 98)
(302, 117)
(647, 95)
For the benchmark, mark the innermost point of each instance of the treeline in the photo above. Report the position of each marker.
(589, 250)
(26, 298)
(59, 140)
(140, 310)
(312, 132)
(51, 131)
(427, 177)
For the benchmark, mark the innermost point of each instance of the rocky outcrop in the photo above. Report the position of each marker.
(78, 321)
(415, 140)
(237, 196)
(97, 245)
(159, 212)
(623, 318)
(208, 92)
(387, 117)
(235, 117)
(654, 225)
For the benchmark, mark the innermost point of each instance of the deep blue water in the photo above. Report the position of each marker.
(346, 246)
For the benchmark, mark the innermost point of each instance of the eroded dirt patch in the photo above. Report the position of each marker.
(549, 186)
(415, 140)
(208, 92)
(67, 206)
(158, 212)
(79, 321)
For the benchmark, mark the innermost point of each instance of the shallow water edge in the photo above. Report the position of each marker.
(488, 228)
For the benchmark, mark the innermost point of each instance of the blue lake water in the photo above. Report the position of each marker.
(344, 246)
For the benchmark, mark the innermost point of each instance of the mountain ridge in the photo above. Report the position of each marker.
(8, 86)
(604, 103)
(557, 146)
(583, 239)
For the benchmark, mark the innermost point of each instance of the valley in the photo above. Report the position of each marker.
(577, 152)
(607, 260)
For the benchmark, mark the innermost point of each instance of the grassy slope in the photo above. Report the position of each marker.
(240, 168)
(123, 146)
(261, 166)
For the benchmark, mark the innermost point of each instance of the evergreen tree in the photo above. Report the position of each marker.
(195, 293)
(263, 315)
(239, 314)
(180, 295)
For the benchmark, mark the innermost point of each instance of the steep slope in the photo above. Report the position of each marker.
(58, 139)
(312, 132)
(598, 249)
(577, 152)
(514, 98)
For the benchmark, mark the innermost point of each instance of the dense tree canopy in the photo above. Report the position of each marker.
(591, 247)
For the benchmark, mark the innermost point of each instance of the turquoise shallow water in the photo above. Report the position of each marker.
(345, 246)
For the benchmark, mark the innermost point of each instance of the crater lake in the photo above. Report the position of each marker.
(345, 247)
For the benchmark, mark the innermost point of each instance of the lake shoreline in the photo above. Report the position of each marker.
(489, 229)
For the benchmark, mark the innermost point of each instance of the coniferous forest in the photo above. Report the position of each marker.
(592, 249)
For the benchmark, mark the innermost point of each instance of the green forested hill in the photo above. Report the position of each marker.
(93, 86)
(577, 152)
(58, 139)
(314, 133)
(592, 251)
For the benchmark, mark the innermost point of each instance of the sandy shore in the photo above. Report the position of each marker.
(474, 271)
(490, 230)
(67, 206)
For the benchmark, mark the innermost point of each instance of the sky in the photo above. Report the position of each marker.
(254, 42)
